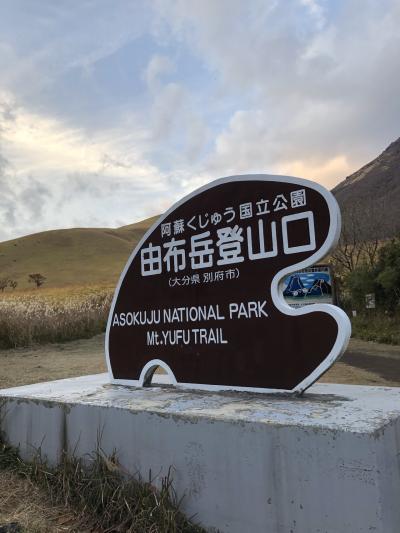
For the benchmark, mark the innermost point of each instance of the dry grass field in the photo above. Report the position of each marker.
(23, 503)
(40, 316)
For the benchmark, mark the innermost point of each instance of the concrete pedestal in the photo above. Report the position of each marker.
(327, 462)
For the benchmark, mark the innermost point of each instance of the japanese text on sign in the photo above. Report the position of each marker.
(231, 245)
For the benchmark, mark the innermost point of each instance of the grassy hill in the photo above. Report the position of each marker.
(79, 256)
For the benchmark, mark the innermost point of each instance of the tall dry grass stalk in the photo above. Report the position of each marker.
(53, 315)
(102, 495)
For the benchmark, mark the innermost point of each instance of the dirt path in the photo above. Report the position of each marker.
(52, 361)
(364, 363)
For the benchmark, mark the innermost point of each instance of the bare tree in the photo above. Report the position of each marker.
(346, 255)
(3, 283)
(363, 230)
(37, 278)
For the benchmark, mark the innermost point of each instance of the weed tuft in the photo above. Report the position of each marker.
(377, 327)
(102, 495)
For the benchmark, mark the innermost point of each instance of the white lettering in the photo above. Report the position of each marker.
(311, 245)
(247, 310)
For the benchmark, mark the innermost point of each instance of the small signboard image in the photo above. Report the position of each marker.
(308, 286)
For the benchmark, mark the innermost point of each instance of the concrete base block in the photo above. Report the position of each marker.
(327, 462)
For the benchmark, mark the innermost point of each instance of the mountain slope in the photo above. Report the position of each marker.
(79, 256)
(375, 191)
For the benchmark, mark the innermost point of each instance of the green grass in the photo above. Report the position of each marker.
(103, 496)
(377, 327)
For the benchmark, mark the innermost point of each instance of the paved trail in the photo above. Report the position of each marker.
(367, 363)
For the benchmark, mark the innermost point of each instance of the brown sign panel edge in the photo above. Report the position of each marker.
(341, 318)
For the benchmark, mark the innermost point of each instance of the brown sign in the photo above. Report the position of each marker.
(201, 296)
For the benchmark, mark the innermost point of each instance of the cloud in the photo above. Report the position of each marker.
(52, 175)
(40, 144)
(317, 11)
(316, 81)
(317, 169)
(52, 39)
(32, 198)
(110, 112)
(157, 66)
(176, 128)
(22, 203)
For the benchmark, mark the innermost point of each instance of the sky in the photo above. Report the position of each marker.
(111, 110)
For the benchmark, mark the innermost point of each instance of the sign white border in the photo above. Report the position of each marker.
(343, 322)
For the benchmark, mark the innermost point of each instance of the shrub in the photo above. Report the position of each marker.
(377, 327)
